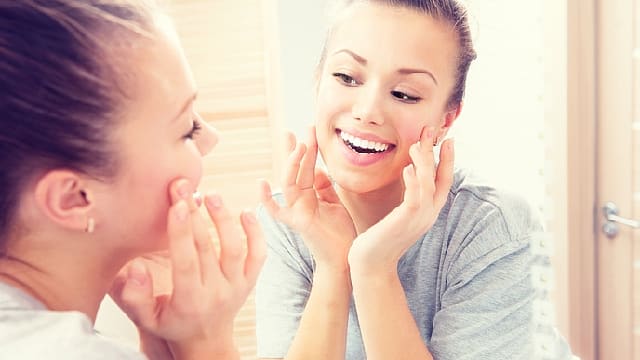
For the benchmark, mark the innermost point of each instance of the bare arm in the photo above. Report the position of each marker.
(313, 209)
(323, 327)
(383, 312)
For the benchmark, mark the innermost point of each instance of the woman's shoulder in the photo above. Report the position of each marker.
(58, 336)
(482, 225)
(473, 201)
(29, 331)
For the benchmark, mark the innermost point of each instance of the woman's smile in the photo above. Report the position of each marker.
(361, 149)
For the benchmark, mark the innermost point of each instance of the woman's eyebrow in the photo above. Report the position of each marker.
(418, 71)
(355, 56)
(362, 61)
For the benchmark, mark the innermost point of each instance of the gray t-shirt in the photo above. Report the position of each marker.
(468, 282)
(29, 331)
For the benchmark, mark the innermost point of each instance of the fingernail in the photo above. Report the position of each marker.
(249, 216)
(183, 189)
(450, 143)
(214, 201)
(182, 210)
(197, 198)
(410, 168)
(136, 274)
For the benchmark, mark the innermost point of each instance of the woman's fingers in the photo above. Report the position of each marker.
(135, 296)
(231, 245)
(289, 142)
(411, 187)
(183, 190)
(184, 257)
(256, 246)
(308, 162)
(267, 200)
(292, 166)
(158, 265)
(423, 159)
(431, 185)
(444, 173)
(324, 187)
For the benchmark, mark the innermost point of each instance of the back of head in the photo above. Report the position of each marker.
(60, 92)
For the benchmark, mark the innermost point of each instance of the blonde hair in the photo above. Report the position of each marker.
(60, 95)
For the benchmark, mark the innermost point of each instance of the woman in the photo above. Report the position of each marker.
(100, 155)
(393, 256)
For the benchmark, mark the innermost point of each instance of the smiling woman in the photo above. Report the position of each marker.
(388, 240)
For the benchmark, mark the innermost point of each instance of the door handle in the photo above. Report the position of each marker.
(610, 227)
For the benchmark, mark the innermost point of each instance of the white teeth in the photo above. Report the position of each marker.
(362, 143)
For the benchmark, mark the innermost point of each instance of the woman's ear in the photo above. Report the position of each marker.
(451, 116)
(64, 198)
(447, 121)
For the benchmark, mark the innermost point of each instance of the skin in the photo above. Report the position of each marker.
(393, 90)
(147, 206)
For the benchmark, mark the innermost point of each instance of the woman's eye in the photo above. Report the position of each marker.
(345, 79)
(405, 97)
(195, 129)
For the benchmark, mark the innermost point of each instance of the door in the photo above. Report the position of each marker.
(617, 179)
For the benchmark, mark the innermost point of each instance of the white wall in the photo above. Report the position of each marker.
(302, 31)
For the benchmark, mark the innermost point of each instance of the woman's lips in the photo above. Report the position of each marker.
(360, 136)
(363, 149)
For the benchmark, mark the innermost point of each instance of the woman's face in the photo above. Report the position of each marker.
(158, 142)
(388, 74)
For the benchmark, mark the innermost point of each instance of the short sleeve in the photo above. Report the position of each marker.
(486, 307)
(283, 287)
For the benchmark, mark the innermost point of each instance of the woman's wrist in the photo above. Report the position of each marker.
(361, 266)
(362, 262)
(371, 279)
(219, 349)
(154, 347)
(337, 276)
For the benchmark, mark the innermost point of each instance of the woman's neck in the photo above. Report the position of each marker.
(60, 278)
(369, 208)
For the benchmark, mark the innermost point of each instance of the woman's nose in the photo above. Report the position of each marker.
(207, 139)
(367, 106)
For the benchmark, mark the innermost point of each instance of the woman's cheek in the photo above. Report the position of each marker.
(191, 166)
(411, 125)
(410, 130)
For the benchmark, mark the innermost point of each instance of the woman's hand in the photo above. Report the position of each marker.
(195, 318)
(312, 207)
(426, 190)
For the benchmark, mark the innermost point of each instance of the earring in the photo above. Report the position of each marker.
(91, 225)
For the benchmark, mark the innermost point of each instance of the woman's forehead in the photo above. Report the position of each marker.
(400, 36)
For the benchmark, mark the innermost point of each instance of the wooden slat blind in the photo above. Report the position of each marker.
(224, 43)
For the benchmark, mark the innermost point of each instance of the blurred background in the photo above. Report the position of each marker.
(551, 112)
